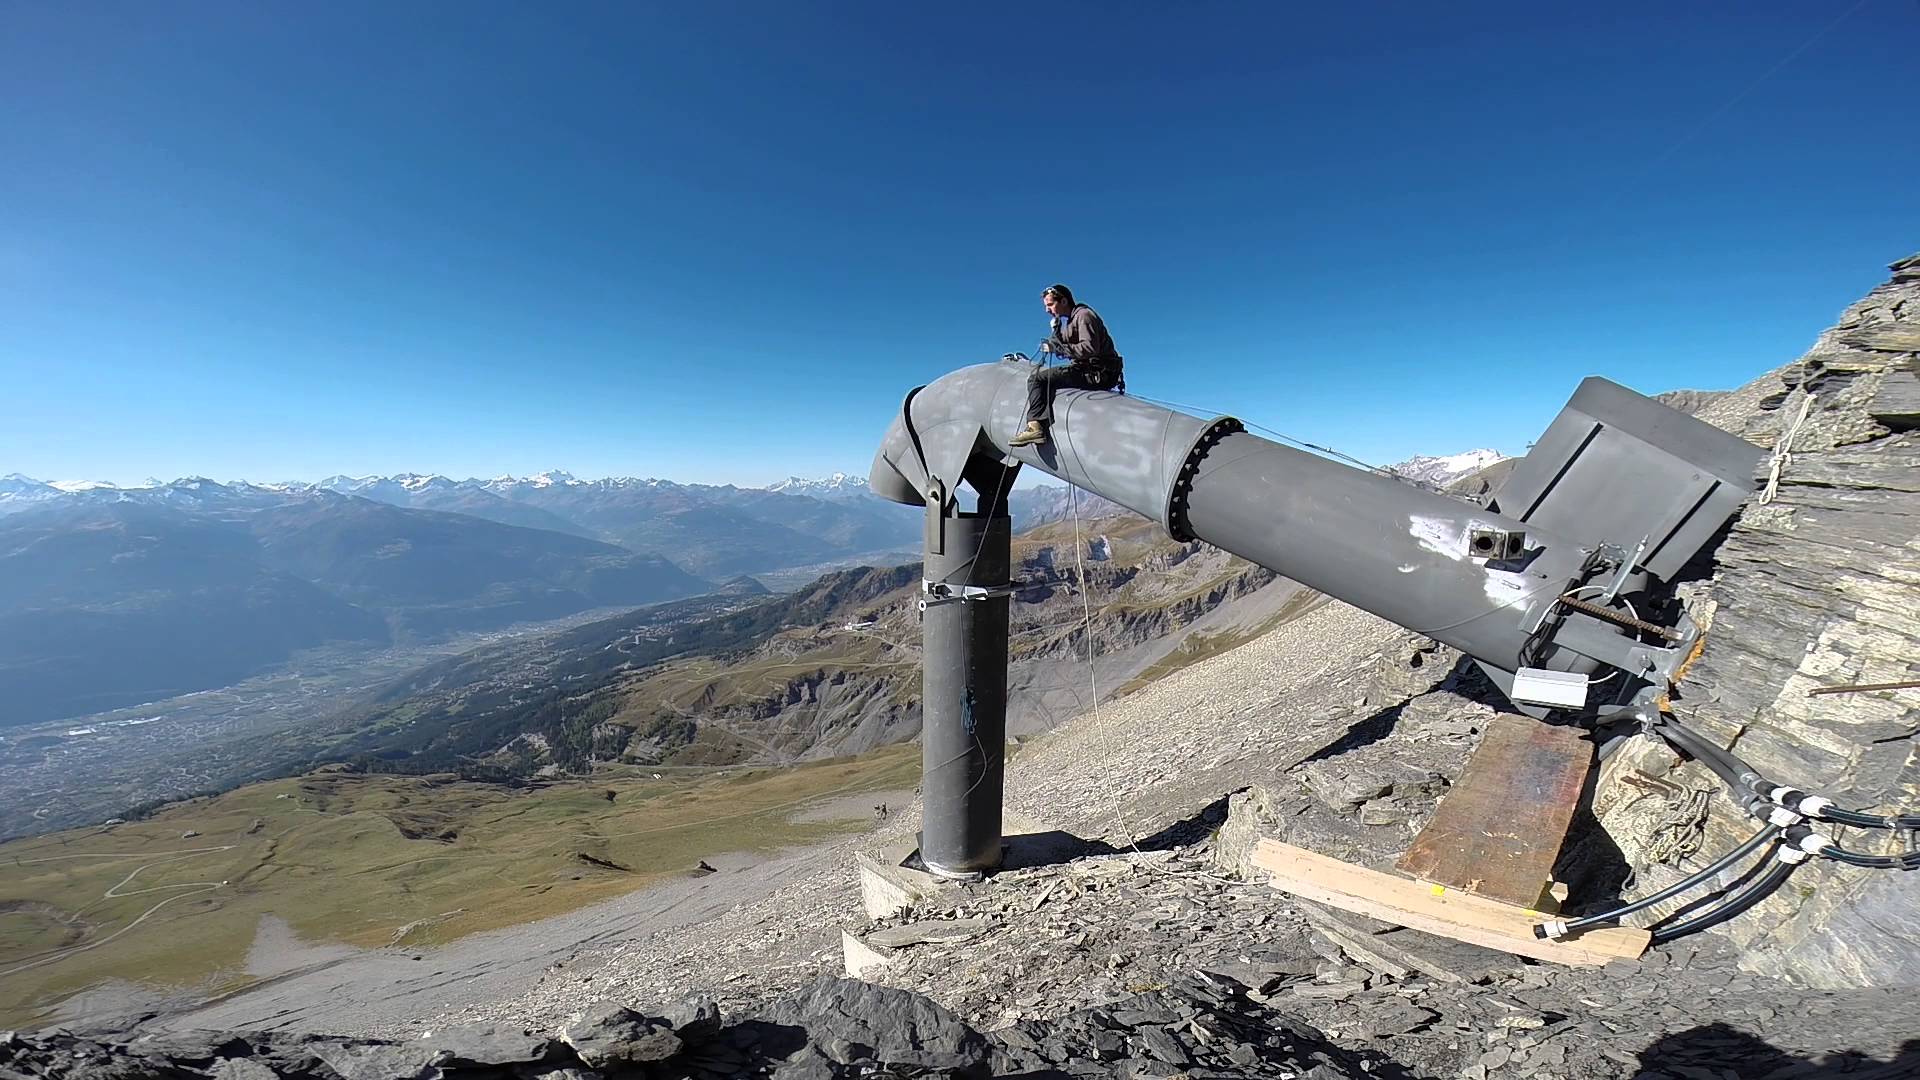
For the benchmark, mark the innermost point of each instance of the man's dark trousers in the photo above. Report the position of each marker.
(1044, 381)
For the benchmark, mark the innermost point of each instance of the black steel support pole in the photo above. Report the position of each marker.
(964, 708)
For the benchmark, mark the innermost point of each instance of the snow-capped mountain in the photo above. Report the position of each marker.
(1441, 471)
(19, 492)
(840, 485)
(555, 480)
(398, 489)
(551, 478)
(16, 484)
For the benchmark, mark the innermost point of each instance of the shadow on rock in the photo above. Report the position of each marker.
(1189, 830)
(1365, 733)
(1717, 1050)
(1590, 861)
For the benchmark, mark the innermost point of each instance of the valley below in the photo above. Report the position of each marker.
(84, 769)
(719, 732)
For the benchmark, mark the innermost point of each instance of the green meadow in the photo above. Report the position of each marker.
(377, 860)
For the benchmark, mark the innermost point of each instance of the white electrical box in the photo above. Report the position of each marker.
(1538, 686)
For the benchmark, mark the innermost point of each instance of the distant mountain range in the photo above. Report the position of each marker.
(831, 668)
(112, 596)
(107, 602)
(715, 531)
(712, 531)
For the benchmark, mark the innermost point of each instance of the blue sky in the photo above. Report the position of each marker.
(286, 241)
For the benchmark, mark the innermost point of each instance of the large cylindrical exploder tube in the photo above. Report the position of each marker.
(1376, 542)
(964, 704)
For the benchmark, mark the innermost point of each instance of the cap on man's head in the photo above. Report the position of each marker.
(1060, 292)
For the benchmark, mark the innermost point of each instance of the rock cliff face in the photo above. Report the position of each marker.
(1816, 585)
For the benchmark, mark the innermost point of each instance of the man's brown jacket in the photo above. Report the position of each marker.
(1085, 341)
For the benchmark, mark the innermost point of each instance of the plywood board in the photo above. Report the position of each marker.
(1436, 909)
(1499, 830)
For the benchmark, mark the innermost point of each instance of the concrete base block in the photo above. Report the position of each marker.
(863, 959)
(891, 880)
(888, 886)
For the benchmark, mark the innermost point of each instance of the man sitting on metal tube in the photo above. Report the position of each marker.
(1078, 335)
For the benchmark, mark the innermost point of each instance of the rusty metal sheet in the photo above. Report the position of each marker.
(1499, 830)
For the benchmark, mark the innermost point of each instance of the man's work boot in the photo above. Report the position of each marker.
(1034, 432)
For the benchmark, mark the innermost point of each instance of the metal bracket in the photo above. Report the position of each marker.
(1588, 638)
(935, 593)
(1627, 563)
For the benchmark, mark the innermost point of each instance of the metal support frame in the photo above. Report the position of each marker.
(965, 603)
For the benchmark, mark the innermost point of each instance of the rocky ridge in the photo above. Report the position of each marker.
(1814, 586)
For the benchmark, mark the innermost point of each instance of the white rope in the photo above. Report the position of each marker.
(1124, 826)
(1093, 674)
(1783, 452)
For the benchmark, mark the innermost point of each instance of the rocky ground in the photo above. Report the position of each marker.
(1146, 955)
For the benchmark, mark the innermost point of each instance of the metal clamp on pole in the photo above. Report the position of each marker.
(935, 593)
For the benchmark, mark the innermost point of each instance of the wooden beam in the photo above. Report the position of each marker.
(1436, 909)
(1499, 829)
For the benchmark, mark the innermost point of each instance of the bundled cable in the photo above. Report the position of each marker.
(1871, 821)
(1559, 928)
(1752, 893)
(1784, 813)
(1906, 860)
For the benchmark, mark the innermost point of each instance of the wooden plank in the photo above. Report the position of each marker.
(1436, 909)
(1500, 827)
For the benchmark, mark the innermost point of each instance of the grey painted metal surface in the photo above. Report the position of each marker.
(964, 705)
(1380, 544)
(1615, 469)
(1620, 465)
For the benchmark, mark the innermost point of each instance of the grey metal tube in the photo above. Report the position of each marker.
(1372, 541)
(1376, 543)
(964, 700)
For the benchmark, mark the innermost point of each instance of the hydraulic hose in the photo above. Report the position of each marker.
(1743, 780)
(1557, 928)
(1907, 861)
(1736, 774)
(1754, 892)
(1871, 821)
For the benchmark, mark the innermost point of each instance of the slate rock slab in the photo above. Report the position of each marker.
(892, 1026)
(486, 1044)
(611, 1034)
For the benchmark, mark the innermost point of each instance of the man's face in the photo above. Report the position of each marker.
(1052, 302)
